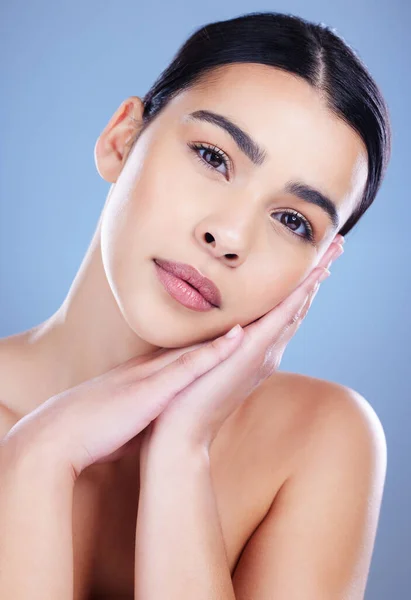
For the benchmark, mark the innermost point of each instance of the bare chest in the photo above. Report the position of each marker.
(245, 481)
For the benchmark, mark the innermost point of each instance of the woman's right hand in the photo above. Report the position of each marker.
(98, 420)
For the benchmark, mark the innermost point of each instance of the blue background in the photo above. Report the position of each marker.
(66, 67)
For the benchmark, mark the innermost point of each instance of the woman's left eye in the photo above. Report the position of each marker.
(295, 219)
(212, 157)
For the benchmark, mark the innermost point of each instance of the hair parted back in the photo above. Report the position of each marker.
(312, 51)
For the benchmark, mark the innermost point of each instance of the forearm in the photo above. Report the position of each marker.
(36, 550)
(180, 551)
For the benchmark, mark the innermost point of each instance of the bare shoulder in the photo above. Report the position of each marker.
(19, 378)
(13, 367)
(318, 414)
(325, 395)
(329, 499)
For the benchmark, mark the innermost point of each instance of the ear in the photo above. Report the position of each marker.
(113, 145)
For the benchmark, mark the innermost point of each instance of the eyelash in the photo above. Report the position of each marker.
(310, 237)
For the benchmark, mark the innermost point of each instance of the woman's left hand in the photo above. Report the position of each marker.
(196, 414)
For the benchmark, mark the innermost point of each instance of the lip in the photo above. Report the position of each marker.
(191, 275)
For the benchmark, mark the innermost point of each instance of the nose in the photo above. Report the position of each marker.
(229, 238)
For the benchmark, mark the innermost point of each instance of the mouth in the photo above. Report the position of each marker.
(204, 286)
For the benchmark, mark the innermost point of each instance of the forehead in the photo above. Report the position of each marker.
(303, 139)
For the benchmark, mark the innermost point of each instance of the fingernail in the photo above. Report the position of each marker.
(233, 332)
(324, 275)
(337, 252)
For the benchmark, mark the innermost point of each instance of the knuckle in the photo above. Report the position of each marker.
(293, 319)
(216, 348)
(286, 334)
(252, 350)
(186, 360)
(271, 361)
(304, 312)
(299, 315)
(278, 359)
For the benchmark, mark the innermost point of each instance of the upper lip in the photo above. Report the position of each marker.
(192, 276)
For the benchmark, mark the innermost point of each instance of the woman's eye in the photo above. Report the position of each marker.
(212, 157)
(293, 221)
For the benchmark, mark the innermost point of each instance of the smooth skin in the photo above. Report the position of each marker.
(90, 422)
(162, 203)
(76, 427)
(164, 200)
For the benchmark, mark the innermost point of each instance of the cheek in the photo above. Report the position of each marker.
(165, 194)
(264, 289)
(147, 214)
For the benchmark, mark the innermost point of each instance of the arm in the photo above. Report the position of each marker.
(36, 551)
(316, 541)
(180, 551)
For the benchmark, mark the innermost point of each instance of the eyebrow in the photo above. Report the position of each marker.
(243, 140)
(257, 156)
(310, 194)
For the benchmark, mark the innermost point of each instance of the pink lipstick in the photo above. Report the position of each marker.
(186, 284)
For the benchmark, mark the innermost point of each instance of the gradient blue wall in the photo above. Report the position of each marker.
(65, 68)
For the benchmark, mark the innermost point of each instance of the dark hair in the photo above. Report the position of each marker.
(314, 52)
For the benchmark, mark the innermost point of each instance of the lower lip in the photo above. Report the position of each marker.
(182, 291)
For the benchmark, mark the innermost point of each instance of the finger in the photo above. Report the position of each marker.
(294, 323)
(271, 325)
(332, 252)
(290, 308)
(164, 384)
(163, 357)
(337, 250)
(133, 369)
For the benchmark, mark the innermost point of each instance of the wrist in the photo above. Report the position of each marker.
(174, 441)
(172, 453)
(35, 457)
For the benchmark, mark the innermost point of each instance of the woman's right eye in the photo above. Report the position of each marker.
(212, 157)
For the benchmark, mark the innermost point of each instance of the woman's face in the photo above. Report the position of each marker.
(177, 201)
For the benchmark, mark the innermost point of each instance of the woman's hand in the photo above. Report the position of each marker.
(98, 420)
(197, 413)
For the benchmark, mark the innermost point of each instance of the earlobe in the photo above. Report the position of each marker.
(113, 145)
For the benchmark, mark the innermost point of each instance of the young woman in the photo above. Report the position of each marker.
(143, 453)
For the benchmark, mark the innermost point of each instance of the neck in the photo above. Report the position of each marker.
(87, 336)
